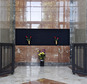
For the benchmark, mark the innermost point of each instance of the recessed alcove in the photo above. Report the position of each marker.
(43, 36)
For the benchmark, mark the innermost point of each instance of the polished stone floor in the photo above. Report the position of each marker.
(32, 73)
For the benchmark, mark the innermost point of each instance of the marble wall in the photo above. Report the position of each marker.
(58, 54)
(42, 14)
(53, 9)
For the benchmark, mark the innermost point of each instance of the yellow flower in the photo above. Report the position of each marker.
(42, 52)
(39, 54)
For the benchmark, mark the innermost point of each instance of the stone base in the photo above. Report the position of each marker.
(38, 64)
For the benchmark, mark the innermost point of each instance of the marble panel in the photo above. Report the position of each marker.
(60, 54)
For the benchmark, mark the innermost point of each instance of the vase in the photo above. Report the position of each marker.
(41, 62)
(29, 42)
(56, 42)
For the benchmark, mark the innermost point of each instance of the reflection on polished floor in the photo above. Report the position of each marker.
(44, 81)
(25, 74)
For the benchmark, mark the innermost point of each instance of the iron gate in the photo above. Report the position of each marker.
(79, 58)
(7, 58)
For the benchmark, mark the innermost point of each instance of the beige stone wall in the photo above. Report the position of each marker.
(6, 29)
(79, 26)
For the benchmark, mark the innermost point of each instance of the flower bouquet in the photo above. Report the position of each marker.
(41, 56)
(28, 39)
(56, 39)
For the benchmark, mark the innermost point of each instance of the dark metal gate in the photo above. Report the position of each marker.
(79, 58)
(7, 57)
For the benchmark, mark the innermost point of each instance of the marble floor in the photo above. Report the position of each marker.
(26, 74)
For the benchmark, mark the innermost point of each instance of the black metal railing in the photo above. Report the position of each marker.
(79, 58)
(7, 56)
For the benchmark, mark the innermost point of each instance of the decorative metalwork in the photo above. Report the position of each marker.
(79, 58)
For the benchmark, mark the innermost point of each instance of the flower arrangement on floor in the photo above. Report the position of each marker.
(41, 54)
(28, 39)
(56, 39)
